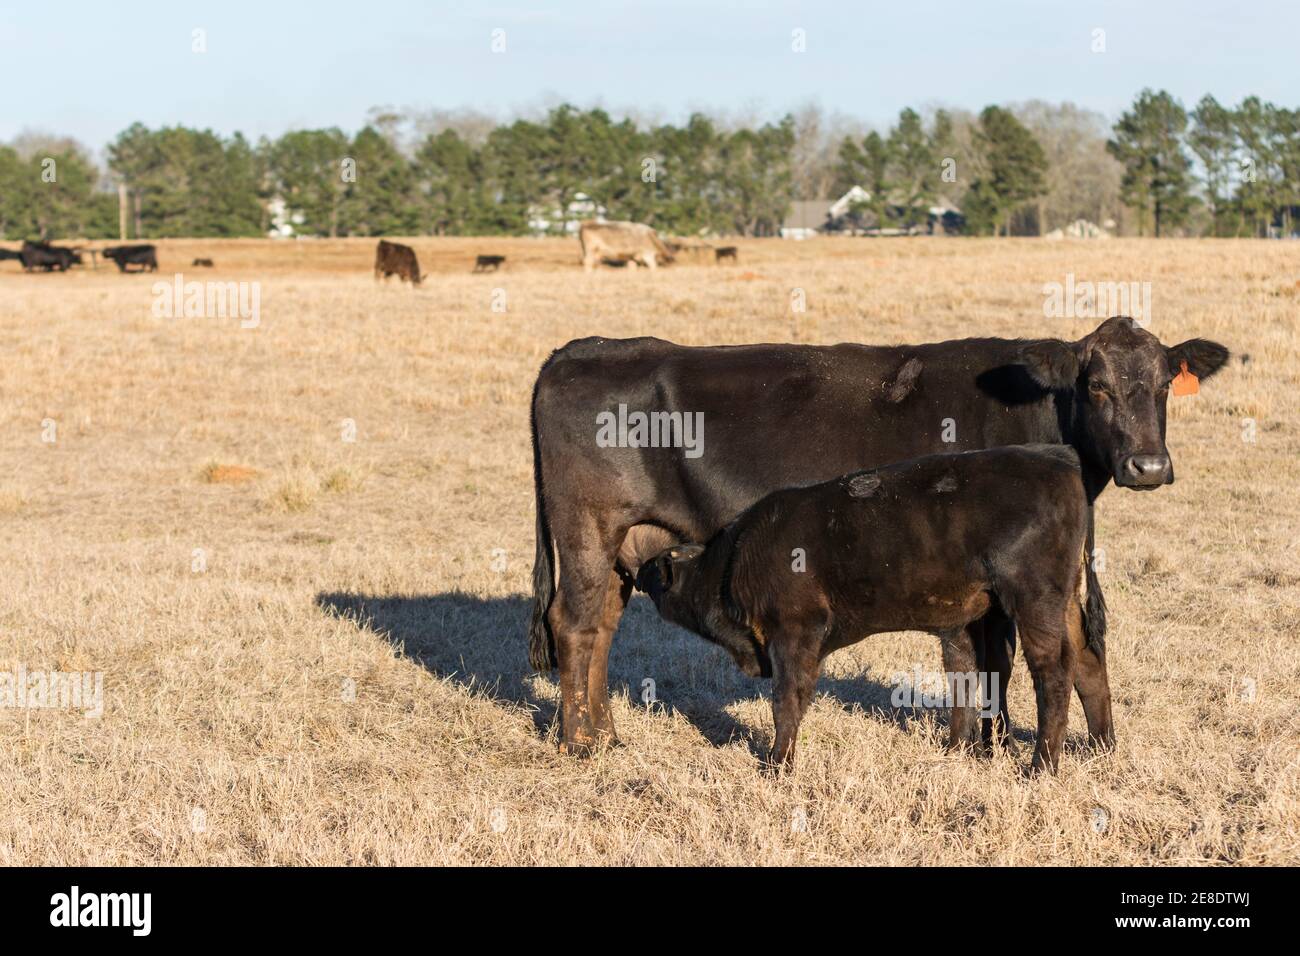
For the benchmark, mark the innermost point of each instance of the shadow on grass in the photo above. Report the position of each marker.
(481, 643)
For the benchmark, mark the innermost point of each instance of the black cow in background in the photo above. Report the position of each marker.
(10, 254)
(144, 256)
(48, 258)
(776, 416)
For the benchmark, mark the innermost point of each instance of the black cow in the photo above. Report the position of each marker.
(48, 258)
(10, 254)
(783, 415)
(484, 263)
(144, 256)
(930, 545)
(393, 258)
(726, 252)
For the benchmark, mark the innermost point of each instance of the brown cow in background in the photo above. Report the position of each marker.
(626, 241)
(393, 258)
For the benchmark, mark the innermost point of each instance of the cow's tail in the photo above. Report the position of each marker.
(541, 642)
(1094, 602)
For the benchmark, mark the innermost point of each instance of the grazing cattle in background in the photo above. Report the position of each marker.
(10, 254)
(41, 255)
(395, 259)
(923, 545)
(484, 263)
(630, 241)
(783, 415)
(726, 252)
(144, 256)
(202, 263)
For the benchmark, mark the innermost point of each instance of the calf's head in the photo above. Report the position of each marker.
(667, 577)
(1119, 375)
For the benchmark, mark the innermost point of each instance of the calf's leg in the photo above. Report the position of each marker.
(960, 668)
(1051, 662)
(796, 661)
(995, 642)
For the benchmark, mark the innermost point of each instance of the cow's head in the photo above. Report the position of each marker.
(1119, 375)
(666, 578)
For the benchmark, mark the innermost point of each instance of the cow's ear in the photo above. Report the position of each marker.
(1202, 356)
(1051, 363)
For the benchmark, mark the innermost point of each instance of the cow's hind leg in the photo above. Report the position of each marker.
(617, 592)
(1091, 681)
(577, 617)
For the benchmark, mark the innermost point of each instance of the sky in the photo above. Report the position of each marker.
(271, 65)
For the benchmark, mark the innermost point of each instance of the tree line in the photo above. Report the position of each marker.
(1015, 170)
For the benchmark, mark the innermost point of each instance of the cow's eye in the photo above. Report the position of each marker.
(1097, 385)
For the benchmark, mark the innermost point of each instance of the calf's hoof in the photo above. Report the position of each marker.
(963, 745)
(1102, 743)
(776, 768)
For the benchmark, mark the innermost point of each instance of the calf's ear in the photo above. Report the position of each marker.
(1051, 363)
(1202, 356)
(685, 552)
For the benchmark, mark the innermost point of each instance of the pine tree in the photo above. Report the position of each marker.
(1148, 142)
(1214, 141)
(1015, 167)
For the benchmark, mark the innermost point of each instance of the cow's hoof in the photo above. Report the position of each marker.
(582, 749)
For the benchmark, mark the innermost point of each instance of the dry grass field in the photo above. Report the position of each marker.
(313, 649)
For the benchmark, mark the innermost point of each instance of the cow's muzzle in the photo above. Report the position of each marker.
(1145, 471)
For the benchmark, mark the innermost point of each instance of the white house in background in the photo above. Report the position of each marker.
(543, 222)
(283, 220)
(809, 217)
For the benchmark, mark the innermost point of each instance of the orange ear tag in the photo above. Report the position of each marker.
(1185, 383)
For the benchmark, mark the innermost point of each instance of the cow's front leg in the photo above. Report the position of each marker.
(1091, 681)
